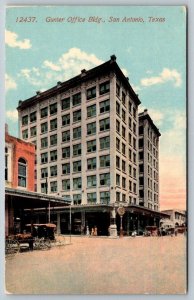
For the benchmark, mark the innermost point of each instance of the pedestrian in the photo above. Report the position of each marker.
(95, 231)
(92, 231)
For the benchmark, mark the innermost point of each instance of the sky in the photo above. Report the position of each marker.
(151, 52)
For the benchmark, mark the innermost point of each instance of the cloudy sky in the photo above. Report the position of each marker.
(151, 54)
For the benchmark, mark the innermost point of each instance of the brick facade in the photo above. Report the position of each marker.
(20, 149)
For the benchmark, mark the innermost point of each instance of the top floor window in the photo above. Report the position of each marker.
(44, 112)
(91, 93)
(65, 103)
(123, 98)
(77, 99)
(33, 117)
(104, 87)
(53, 109)
(25, 120)
(118, 90)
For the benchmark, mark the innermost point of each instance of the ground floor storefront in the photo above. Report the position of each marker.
(83, 219)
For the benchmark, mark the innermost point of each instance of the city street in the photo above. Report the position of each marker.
(155, 265)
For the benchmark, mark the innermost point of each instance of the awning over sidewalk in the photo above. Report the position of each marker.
(26, 200)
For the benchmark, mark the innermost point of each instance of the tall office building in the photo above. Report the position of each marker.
(86, 136)
(148, 162)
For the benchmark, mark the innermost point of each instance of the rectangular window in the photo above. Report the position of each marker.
(118, 108)
(104, 197)
(25, 120)
(66, 152)
(123, 98)
(130, 185)
(77, 183)
(104, 106)
(117, 144)
(91, 163)
(105, 179)
(123, 166)
(91, 146)
(44, 112)
(33, 131)
(53, 171)
(66, 184)
(77, 166)
(104, 87)
(134, 188)
(123, 182)
(66, 169)
(123, 149)
(130, 107)
(77, 115)
(118, 179)
(44, 158)
(53, 109)
(134, 112)
(105, 143)
(44, 142)
(130, 123)
(91, 111)
(77, 150)
(44, 173)
(53, 155)
(123, 115)
(134, 128)
(123, 132)
(117, 196)
(44, 187)
(104, 124)
(25, 134)
(53, 186)
(91, 198)
(130, 170)
(33, 117)
(44, 127)
(53, 140)
(77, 99)
(118, 162)
(104, 161)
(134, 172)
(91, 128)
(134, 158)
(117, 126)
(134, 143)
(77, 199)
(53, 124)
(91, 93)
(66, 136)
(130, 154)
(118, 90)
(123, 197)
(91, 181)
(77, 132)
(65, 103)
(130, 139)
(66, 120)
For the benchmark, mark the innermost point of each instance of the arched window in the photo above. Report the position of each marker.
(22, 167)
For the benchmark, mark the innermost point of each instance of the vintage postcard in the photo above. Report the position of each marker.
(95, 150)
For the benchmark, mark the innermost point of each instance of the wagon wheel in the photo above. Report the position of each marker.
(11, 247)
(44, 244)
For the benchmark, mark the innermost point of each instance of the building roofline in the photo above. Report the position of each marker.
(145, 116)
(110, 65)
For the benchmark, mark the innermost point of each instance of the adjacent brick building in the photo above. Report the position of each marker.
(19, 163)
